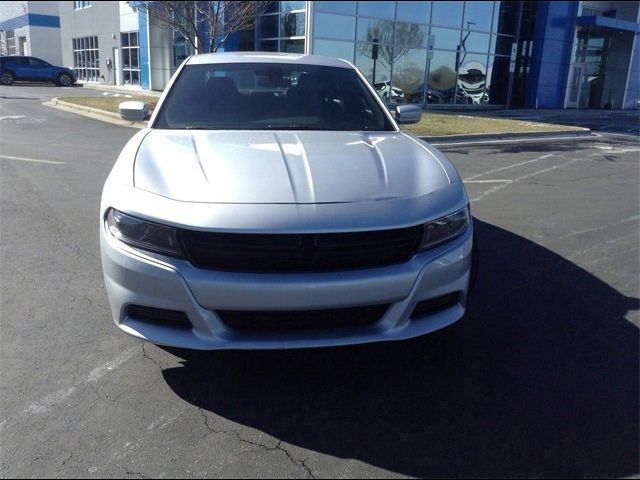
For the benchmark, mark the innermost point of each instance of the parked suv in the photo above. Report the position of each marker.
(33, 69)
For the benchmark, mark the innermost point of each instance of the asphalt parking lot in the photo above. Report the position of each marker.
(540, 379)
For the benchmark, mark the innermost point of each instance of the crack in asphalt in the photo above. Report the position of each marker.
(146, 355)
(130, 472)
(278, 447)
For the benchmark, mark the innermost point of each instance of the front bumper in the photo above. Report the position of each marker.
(133, 277)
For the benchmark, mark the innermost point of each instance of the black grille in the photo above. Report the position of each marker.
(290, 253)
(159, 316)
(434, 305)
(277, 321)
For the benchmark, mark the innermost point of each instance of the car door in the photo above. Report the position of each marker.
(39, 69)
(19, 66)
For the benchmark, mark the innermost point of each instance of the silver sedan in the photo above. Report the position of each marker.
(273, 202)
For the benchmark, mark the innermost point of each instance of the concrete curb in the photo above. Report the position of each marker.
(508, 136)
(95, 113)
(122, 90)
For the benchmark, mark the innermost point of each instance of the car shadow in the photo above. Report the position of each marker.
(541, 378)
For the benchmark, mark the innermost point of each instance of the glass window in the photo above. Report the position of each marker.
(86, 60)
(130, 58)
(280, 96)
(269, 46)
(477, 16)
(292, 46)
(347, 8)
(408, 75)
(377, 9)
(339, 27)
(287, 6)
(134, 58)
(411, 34)
(268, 26)
(292, 24)
(446, 38)
(447, 14)
(472, 80)
(334, 48)
(497, 80)
(369, 29)
(417, 12)
(505, 18)
(501, 45)
(270, 7)
(378, 71)
(475, 42)
(442, 77)
(36, 62)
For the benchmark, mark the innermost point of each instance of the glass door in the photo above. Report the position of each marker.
(576, 81)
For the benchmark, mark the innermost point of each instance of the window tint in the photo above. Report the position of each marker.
(36, 62)
(261, 96)
(16, 61)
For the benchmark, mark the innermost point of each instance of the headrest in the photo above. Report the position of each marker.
(221, 86)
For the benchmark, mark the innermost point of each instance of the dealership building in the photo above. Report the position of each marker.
(549, 54)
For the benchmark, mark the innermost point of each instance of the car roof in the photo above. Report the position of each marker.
(267, 57)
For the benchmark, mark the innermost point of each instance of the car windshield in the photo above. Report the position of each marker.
(263, 96)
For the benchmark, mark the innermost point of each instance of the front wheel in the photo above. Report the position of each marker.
(7, 78)
(64, 80)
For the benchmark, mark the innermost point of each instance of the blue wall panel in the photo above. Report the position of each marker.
(144, 50)
(551, 55)
(32, 19)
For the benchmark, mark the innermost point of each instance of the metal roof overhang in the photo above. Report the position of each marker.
(608, 23)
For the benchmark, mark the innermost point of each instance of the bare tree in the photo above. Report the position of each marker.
(405, 36)
(191, 19)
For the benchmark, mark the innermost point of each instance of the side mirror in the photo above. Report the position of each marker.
(133, 111)
(408, 114)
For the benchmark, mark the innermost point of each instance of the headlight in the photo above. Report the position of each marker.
(445, 228)
(142, 234)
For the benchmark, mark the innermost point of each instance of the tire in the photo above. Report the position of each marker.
(7, 78)
(64, 80)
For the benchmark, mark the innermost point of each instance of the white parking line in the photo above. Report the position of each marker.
(488, 181)
(57, 398)
(523, 177)
(32, 160)
(508, 167)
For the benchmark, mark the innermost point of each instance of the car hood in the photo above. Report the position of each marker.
(286, 167)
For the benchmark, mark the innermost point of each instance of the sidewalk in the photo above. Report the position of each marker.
(122, 89)
(616, 121)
